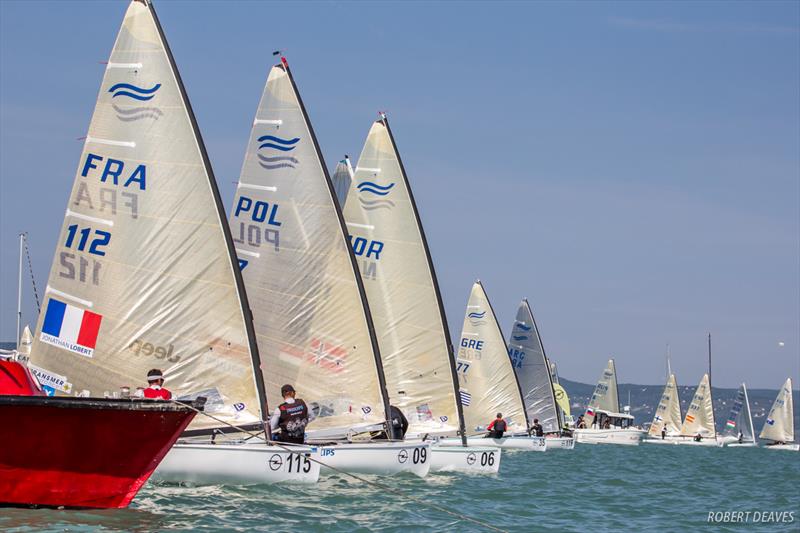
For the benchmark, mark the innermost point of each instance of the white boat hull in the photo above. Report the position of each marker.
(378, 458)
(239, 464)
(625, 437)
(473, 459)
(560, 443)
(742, 445)
(686, 441)
(512, 442)
(785, 447)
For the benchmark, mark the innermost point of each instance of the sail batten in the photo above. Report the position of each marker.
(312, 320)
(144, 274)
(389, 243)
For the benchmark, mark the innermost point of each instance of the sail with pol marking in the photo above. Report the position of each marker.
(311, 318)
(605, 396)
(144, 273)
(533, 370)
(668, 412)
(700, 414)
(779, 425)
(487, 383)
(392, 254)
(740, 421)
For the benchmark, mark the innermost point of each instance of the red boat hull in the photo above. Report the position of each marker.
(82, 452)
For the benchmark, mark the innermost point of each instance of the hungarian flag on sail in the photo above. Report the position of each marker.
(70, 328)
(730, 424)
(689, 418)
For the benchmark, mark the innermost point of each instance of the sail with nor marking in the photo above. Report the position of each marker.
(532, 369)
(144, 274)
(392, 254)
(668, 411)
(311, 319)
(779, 424)
(605, 395)
(700, 414)
(487, 383)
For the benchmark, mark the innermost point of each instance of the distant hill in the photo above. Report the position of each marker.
(645, 398)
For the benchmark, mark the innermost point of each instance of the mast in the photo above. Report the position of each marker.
(247, 314)
(749, 414)
(669, 366)
(713, 418)
(19, 290)
(356, 272)
(440, 303)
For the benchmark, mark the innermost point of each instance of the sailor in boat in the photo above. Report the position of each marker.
(698, 438)
(399, 423)
(663, 432)
(497, 427)
(291, 417)
(536, 428)
(155, 389)
(741, 437)
(581, 423)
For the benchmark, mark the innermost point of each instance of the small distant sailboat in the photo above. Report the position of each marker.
(603, 421)
(392, 253)
(533, 373)
(487, 383)
(668, 418)
(739, 430)
(779, 425)
(699, 428)
(310, 310)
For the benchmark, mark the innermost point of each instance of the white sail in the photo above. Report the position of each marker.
(668, 412)
(342, 178)
(311, 319)
(532, 370)
(739, 420)
(700, 414)
(25, 342)
(144, 273)
(779, 425)
(487, 384)
(392, 254)
(605, 395)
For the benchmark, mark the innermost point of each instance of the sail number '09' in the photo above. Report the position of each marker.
(98, 242)
(298, 463)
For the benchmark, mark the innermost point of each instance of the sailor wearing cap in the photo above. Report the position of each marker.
(291, 417)
(156, 390)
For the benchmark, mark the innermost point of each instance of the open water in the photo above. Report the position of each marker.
(593, 488)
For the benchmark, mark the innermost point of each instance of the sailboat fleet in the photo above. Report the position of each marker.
(326, 283)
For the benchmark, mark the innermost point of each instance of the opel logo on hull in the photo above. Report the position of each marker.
(402, 456)
(471, 458)
(275, 462)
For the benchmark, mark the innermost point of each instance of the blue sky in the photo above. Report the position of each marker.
(632, 168)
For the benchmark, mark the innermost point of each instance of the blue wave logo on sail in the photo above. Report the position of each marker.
(137, 113)
(477, 315)
(476, 318)
(272, 152)
(272, 142)
(520, 337)
(523, 327)
(129, 90)
(373, 188)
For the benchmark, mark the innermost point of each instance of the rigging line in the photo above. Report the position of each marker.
(30, 269)
(377, 484)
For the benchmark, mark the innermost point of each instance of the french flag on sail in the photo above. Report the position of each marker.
(70, 327)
